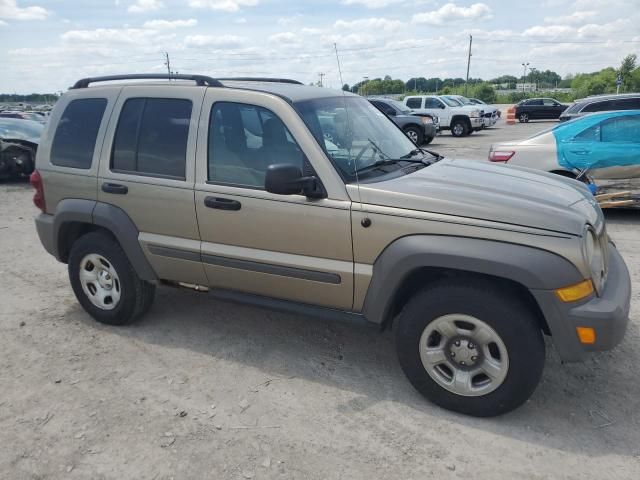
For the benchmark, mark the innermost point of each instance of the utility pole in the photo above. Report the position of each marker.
(321, 75)
(466, 84)
(524, 74)
(167, 63)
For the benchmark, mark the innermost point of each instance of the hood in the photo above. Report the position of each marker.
(498, 193)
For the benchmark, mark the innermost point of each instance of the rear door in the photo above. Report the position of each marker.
(147, 170)
(535, 109)
(281, 246)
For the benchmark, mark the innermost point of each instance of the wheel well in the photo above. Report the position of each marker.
(424, 276)
(564, 173)
(411, 125)
(70, 232)
(461, 117)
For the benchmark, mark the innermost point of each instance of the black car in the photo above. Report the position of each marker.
(419, 128)
(601, 103)
(18, 144)
(539, 109)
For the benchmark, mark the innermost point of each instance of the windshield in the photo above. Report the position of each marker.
(13, 129)
(450, 101)
(355, 135)
(401, 107)
(462, 100)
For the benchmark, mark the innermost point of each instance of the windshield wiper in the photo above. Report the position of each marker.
(418, 150)
(389, 161)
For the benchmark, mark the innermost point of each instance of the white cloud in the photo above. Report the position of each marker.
(9, 9)
(575, 18)
(224, 5)
(451, 13)
(369, 24)
(3, 24)
(240, 20)
(371, 3)
(218, 41)
(142, 6)
(108, 36)
(284, 37)
(170, 24)
(549, 31)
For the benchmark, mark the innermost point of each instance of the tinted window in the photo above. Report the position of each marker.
(548, 102)
(414, 102)
(151, 138)
(75, 137)
(627, 104)
(534, 102)
(621, 130)
(599, 106)
(244, 140)
(433, 103)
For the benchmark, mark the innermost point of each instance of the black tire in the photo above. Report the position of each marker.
(511, 319)
(460, 128)
(136, 295)
(414, 134)
(523, 118)
(428, 140)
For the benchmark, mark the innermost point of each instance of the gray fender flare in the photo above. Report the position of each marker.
(111, 218)
(531, 267)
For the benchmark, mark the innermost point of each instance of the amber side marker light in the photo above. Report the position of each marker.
(587, 335)
(575, 292)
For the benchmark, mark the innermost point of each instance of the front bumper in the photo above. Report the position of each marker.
(477, 122)
(430, 130)
(607, 314)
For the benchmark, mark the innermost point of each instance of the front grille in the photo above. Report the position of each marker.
(488, 115)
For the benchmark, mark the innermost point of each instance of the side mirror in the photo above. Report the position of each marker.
(441, 106)
(287, 179)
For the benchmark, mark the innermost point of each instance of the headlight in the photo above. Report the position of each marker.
(474, 113)
(595, 258)
(426, 120)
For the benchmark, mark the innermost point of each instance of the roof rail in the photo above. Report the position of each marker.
(262, 79)
(201, 80)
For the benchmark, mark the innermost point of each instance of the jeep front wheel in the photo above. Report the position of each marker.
(104, 281)
(468, 348)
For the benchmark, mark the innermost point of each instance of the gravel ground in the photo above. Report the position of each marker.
(205, 389)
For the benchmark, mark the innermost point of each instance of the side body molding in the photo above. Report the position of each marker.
(112, 218)
(535, 269)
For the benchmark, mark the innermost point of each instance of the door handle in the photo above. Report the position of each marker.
(222, 203)
(115, 188)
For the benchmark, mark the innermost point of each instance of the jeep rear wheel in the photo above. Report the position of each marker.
(469, 348)
(459, 128)
(104, 281)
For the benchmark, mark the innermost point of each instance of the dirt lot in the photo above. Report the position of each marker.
(205, 389)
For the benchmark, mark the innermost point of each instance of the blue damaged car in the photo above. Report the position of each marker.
(607, 144)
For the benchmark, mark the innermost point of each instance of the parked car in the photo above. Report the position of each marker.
(477, 101)
(228, 187)
(17, 115)
(419, 128)
(18, 144)
(461, 120)
(601, 103)
(539, 109)
(490, 116)
(607, 144)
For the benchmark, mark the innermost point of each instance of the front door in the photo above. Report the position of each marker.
(147, 170)
(283, 246)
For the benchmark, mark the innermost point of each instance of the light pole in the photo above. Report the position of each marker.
(524, 74)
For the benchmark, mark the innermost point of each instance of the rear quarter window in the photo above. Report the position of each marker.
(75, 139)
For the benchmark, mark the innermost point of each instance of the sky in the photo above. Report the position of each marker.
(46, 45)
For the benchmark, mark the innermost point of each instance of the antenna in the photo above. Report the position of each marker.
(346, 109)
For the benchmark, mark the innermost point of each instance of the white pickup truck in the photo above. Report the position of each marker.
(461, 120)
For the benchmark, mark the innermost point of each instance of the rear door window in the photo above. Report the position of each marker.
(627, 104)
(75, 139)
(415, 102)
(599, 106)
(151, 137)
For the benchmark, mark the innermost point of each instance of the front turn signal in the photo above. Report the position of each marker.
(587, 335)
(575, 292)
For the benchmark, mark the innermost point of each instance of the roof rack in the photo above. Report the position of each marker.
(262, 79)
(201, 80)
